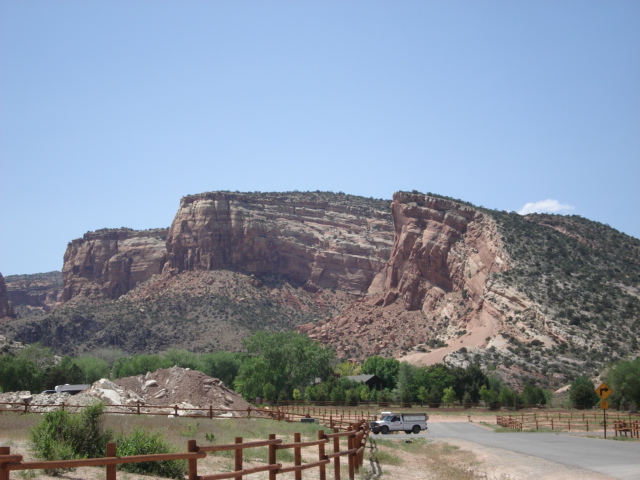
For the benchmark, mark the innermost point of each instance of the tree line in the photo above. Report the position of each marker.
(281, 367)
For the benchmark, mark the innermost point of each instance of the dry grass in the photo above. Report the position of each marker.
(422, 460)
(416, 460)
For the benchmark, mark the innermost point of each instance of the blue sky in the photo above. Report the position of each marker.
(111, 111)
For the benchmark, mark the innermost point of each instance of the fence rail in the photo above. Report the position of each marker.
(355, 435)
(586, 421)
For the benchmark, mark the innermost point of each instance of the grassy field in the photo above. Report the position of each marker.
(384, 457)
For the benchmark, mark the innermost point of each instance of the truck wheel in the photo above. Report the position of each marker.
(416, 429)
(375, 432)
(384, 430)
(407, 432)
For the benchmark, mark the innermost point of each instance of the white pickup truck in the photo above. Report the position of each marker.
(400, 422)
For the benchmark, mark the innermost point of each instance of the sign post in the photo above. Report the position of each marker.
(603, 392)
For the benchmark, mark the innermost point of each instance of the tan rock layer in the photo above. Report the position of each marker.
(313, 241)
(110, 262)
(316, 240)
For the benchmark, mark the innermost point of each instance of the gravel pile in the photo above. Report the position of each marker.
(188, 389)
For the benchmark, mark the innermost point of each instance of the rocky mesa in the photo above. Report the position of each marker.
(318, 240)
(315, 240)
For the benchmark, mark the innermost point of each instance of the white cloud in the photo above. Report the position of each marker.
(544, 206)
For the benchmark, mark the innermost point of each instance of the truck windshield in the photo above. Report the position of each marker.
(388, 418)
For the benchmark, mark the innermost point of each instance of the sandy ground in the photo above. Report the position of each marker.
(478, 330)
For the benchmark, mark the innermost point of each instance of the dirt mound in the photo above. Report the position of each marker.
(188, 389)
(180, 386)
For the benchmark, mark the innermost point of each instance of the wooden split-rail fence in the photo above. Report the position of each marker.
(624, 423)
(353, 434)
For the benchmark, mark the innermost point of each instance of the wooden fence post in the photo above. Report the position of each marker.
(238, 458)
(4, 473)
(297, 456)
(193, 462)
(351, 457)
(272, 456)
(111, 469)
(322, 455)
(336, 460)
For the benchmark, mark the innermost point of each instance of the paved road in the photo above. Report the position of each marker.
(614, 458)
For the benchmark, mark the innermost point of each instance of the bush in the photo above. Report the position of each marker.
(142, 442)
(65, 436)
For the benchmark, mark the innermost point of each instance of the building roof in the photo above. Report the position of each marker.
(361, 378)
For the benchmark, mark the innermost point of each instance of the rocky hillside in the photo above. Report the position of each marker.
(229, 265)
(424, 278)
(544, 295)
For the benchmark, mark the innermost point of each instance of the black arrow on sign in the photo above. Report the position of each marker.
(602, 390)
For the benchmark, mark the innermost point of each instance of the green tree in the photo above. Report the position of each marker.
(286, 360)
(296, 394)
(348, 369)
(507, 397)
(269, 392)
(449, 396)
(66, 371)
(582, 393)
(92, 368)
(138, 365)
(423, 394)
(338, 395)
(407, 389)
(468, 382)
(19, 373)
(624, 380)
(221, 365)
(533, 395)
(385, 368)
(181, 358)
(364, 394)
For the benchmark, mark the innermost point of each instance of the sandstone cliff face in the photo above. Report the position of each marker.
(6, 309)
(110, 262)
(317, 240)
(434, 286)
(40, 290)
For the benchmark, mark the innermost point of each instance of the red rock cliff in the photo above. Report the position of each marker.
(108, 263)
(433, 285)
(318, 240)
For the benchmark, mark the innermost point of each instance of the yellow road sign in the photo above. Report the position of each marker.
(604, 391)
(604, 405)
